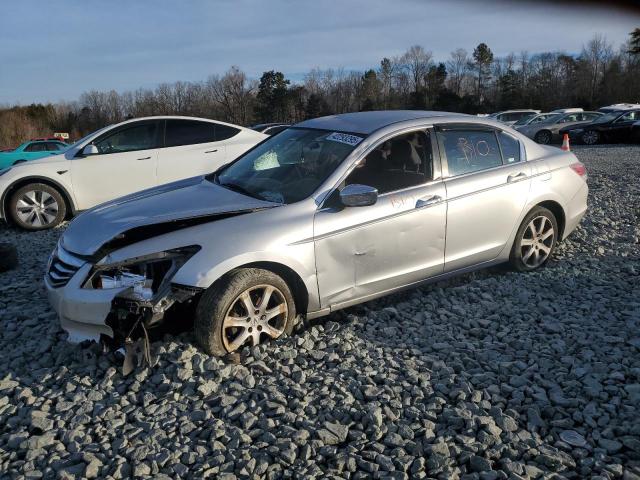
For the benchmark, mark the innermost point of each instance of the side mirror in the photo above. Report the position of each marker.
(356, 195)
(90, 150)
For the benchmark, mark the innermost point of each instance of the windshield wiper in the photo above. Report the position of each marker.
(239, 189)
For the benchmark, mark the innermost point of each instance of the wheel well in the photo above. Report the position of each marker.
(558, 211)
(26, 181)
(298, 288)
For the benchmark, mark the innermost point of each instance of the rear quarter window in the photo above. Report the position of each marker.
(510, 148)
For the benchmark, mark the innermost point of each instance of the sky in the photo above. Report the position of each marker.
(53, 50)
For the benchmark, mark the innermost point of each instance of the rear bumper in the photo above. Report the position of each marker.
(576, 210)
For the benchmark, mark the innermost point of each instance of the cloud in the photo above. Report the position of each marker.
(80, 45)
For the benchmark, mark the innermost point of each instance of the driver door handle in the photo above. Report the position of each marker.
(211, 151)
(425, 202)
(144, 158)
(516, 176)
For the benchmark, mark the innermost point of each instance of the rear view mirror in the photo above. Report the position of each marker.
(357, 195)
(90, 150)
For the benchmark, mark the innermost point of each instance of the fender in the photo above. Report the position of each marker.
(192, 276)
(36, 178)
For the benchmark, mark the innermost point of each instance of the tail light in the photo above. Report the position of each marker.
(579, 168)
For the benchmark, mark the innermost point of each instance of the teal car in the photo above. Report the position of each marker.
(31, 150)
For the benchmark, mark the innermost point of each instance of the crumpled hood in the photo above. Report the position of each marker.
(171, 205)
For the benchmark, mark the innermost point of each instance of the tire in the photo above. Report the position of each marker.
(8, 257)
(543, 137)
(221, 323)
(530, 250)
(591, 137)
(37, 206)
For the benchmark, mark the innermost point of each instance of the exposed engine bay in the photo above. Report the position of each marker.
(147, 300)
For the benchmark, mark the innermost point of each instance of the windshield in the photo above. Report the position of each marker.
(524, 120)
(79, 142)
(551, 118)
(290, 166)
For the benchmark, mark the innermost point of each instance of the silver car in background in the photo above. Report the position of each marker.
(327, 214)
(509, 117)
(532, 119)
(548, 131)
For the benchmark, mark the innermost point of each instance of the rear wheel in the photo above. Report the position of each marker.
(37, 206)
(247, 307)
(591, 137)
(535, 240)
(543, 137)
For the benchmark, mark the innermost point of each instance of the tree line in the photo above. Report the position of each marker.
(468, 82)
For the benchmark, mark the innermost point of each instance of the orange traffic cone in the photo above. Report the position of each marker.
(565, 142)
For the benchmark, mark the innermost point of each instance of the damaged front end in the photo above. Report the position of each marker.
(146, 299)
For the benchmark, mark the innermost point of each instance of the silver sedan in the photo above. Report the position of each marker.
(329, 213)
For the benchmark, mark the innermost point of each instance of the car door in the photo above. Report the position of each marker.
(125, 163)
(363, 251)
(487, 181)
(191, 148)
(620, 129)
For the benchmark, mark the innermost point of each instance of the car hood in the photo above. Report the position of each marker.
(152, 212)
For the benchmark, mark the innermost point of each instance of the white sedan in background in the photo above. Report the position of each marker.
(115, 161)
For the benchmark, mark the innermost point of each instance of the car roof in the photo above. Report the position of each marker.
(518, 110)
(177, 117)
(368, 122)
(274, 124)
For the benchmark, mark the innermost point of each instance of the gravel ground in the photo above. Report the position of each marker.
(492, 375)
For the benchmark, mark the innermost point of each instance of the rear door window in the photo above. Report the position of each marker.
(225, 132)
(53, 147)
(469, 150)
(188, 132)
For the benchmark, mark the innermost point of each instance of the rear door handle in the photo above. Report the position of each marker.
(144, 158)
(211, 151)
(516, 176)
(425, 202)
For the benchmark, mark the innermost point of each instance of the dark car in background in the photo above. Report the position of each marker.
(614, 127)
(548, 131)
(270, 128)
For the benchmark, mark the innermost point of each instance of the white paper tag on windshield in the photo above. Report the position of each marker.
(344, 138)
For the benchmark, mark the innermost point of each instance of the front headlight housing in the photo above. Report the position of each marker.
(144, 275)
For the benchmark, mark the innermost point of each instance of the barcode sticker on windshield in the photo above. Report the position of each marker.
(344, 138)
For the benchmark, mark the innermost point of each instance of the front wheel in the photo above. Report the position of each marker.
(37, 206)
(245, 308)
(590, 137)
(535, 240)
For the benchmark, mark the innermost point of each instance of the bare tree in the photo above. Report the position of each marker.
(458, 67)
(596, 54)
(417, 61)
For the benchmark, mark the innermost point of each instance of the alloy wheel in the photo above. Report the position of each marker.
(37, 208)
(537, 241)
(590, 137)
(257, 312)
(544, 138)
